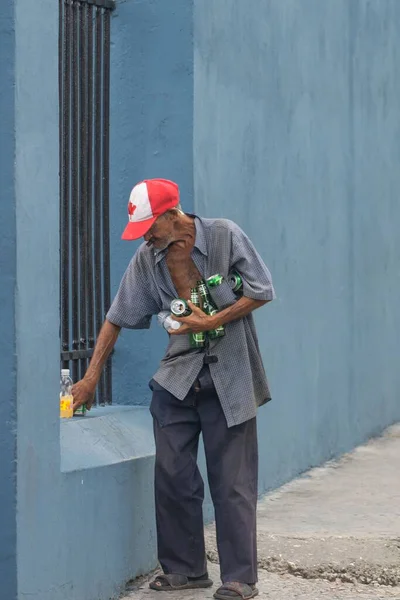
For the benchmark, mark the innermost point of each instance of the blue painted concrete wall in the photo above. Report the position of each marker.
(296, 137)
(41, 526)
(151, 136)
(85, 523)
(289, 117)
(8, 493)
(84, 527)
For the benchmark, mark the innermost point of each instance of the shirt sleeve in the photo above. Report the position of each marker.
(257, 280)
(136, 300)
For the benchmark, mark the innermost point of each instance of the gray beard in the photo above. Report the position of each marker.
(160, 248)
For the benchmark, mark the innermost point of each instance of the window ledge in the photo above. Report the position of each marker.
(106, 436)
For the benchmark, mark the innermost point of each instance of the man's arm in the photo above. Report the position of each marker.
(83, 391)
(199, 321)
(240, 309)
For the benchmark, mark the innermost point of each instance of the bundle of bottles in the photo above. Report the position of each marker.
(200, 296)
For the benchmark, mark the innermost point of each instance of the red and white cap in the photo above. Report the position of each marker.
(149, 199)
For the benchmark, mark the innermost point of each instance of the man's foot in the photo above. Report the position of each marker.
(234, 590)
(175, 581)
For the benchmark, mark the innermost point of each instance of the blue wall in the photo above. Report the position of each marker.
(296, 137)
(151, 136)
(85, 520)
(84, 492)
(42, 569)
(8, 494)
(289, 119)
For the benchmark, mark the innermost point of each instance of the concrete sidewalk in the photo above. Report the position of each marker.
(332, 533)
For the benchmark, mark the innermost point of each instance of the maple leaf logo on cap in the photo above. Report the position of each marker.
(131, 209)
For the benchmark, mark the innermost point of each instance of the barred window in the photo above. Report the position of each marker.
(84, 84)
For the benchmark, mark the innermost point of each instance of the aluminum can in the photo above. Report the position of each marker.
(180, 308)
(235, 281)
(81, 411)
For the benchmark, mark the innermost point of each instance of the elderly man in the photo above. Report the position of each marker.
(214, 390)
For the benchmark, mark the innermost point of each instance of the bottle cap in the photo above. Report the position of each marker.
(65, 372)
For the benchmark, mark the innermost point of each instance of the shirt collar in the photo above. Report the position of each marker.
(200, 241)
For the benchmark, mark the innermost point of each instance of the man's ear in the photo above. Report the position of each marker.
(173, 214)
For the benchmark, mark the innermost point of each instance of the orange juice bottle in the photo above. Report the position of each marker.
(66, 398)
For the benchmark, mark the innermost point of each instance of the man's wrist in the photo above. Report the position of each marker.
(214, 321)
(91, 380)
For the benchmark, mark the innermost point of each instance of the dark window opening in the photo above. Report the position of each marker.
(84, 83)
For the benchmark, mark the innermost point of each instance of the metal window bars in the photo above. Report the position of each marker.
(84, 86)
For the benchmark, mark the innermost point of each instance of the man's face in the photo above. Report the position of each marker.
(160, 235)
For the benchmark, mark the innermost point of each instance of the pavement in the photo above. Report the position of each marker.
(332, 533)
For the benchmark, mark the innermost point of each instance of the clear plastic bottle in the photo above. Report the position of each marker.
(66, 398)
(165, 320)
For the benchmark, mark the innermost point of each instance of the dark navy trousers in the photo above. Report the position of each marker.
(232, 468)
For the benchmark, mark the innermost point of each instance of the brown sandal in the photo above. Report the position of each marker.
(175, 581)
(241, 591)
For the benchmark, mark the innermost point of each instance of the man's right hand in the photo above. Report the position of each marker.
(83, 393)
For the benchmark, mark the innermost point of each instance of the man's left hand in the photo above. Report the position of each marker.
(195, 323)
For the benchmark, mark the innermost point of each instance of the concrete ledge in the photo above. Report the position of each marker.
(106, 436)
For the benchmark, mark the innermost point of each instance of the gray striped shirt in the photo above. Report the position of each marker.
(146, 289)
